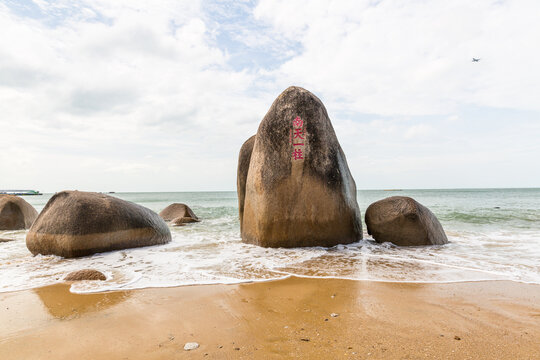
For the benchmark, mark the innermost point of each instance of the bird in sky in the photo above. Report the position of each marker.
(475, 60)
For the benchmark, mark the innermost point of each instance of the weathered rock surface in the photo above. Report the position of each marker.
(178, 214)
(85, 274)
(403, 221)
(76, 223)
(298, 189)
(16, 213)
(242, 172)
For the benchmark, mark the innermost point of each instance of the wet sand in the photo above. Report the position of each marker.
(276, 320)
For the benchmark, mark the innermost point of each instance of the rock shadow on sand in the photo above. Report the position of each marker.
(63, 304)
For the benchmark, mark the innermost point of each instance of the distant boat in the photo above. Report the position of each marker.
(20, 192)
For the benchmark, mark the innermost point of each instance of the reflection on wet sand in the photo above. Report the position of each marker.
(389, 268)
(63, 304)
(330, 265)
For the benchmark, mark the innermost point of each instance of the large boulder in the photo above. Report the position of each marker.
(76, 223)
(16, 213)
(298, 190)
(178, 214)
(242, 172)
(405, 222)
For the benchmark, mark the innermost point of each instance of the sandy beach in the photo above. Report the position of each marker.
(292, 318)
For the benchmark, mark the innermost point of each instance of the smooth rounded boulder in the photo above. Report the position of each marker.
(85, 274)
(76, 223)
(242, 172)
(298, 188)
(403, 221)
(16, 213)
(178, 214)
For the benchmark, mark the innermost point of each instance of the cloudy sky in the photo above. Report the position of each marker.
(134, 95)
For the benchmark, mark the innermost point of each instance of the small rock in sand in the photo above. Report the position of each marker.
(85, 274)
(191, 346)
(457, 338)
(334, 315)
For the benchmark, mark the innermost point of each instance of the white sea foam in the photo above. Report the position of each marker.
(211, 252)
(195, 257)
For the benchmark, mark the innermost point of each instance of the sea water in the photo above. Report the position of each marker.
(494, 234)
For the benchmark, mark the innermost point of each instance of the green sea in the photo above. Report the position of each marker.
(494, 234)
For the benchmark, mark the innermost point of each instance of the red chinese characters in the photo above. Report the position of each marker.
(297, 137)
(298, 133)
(297, 154)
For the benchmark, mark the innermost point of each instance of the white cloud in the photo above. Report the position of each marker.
(137, 95)
(412, 57)
(87, 97)
(418, 131)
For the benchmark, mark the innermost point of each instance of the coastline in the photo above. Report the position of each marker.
(288, 318)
